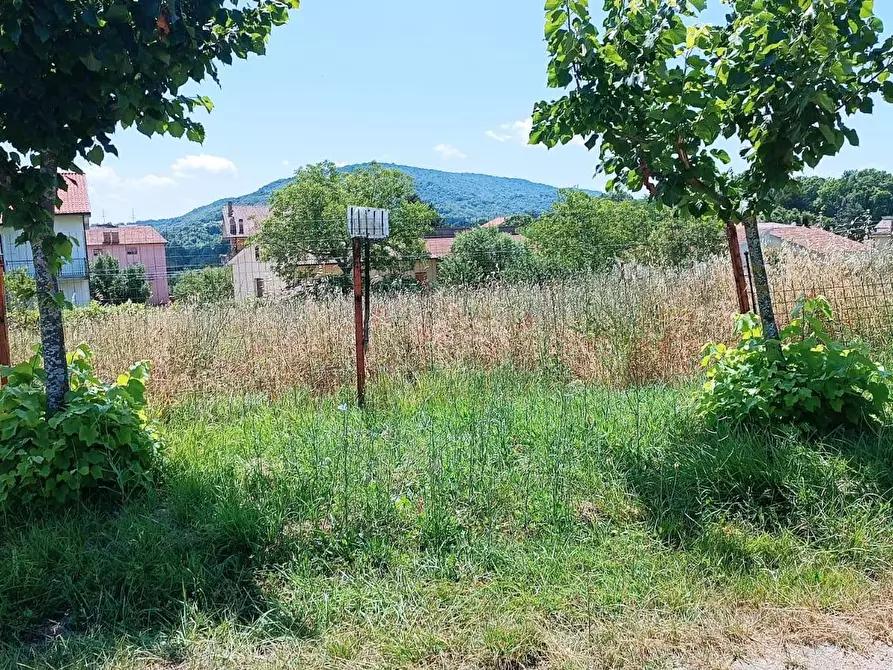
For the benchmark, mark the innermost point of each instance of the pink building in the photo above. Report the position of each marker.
(132, 245)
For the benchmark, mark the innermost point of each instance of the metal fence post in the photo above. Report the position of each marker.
(358, 320)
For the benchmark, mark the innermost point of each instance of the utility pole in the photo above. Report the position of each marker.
(363, 224)
(5, 355)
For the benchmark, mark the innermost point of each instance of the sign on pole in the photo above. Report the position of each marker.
(363, 224)
(368, 223)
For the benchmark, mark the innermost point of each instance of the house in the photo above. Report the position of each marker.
(814, 240)
(132, 245)
(240, 222)
(72, 218)
(253, 277)
(882, 235)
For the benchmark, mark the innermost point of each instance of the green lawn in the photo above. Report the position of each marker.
(493, 521)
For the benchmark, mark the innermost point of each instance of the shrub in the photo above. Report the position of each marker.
(110, 284)
(807, 378)
(209, 285)
(101, 440)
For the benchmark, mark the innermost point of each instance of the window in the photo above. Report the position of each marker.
(257, 253)
(232, 227)
(132, 251)
(259, 287)
(241, 226)
(421, 277)
(98, 252)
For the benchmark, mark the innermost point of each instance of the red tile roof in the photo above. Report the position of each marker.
(495, 223)
(252, 216)
(438, 247)
(811, 239)
(75, 200)
(127, 235)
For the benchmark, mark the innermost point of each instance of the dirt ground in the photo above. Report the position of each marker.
(826, 657)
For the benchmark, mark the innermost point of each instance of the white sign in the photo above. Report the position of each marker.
(368, 223)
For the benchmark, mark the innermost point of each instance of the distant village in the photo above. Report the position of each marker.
(255, 278)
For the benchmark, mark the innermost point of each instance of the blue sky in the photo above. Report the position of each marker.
(443, 85)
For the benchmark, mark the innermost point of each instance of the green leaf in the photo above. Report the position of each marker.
(95, 155)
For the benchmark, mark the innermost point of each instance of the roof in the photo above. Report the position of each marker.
(884, 228)
(126, 235)
(438, 247)
(252, 215)
(817, 240)
(498, 222)
(75, 200)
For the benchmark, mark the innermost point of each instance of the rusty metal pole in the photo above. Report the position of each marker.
(358, 321)
(737, 268)
(5, 355)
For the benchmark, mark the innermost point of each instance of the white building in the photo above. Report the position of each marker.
(72, 219)
(253, 277)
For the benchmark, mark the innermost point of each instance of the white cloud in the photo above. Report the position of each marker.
(97, 174)
(286, 163)
(154, 181)
(189, 165)
(106, 176)
(448, 152)
(341, 165)
(516, 131)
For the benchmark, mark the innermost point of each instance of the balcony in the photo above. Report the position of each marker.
(74, 268)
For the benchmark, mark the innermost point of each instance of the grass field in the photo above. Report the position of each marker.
(497, 520)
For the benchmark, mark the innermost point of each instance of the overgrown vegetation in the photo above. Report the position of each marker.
(110, 284)
(203, 287)
(482, 520)
(809, 379)
(100, 441)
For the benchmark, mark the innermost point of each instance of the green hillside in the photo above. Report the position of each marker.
(462, 199)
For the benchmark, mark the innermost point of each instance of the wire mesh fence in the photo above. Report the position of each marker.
(629, 324)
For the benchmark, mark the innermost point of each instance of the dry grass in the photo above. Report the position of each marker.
(637, 326)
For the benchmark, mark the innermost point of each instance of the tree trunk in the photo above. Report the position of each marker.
(52, 334)
(760, 278)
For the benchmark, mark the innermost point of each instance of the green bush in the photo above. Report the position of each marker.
(101, 440)
(807, 378)
(205, 286)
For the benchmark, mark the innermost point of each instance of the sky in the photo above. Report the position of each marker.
(443, 85)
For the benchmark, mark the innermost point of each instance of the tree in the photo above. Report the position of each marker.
(308, 220)
(585, 233)
(71, 71)
(480, 255)
(204, 287)
(656, 88)
(110, 284)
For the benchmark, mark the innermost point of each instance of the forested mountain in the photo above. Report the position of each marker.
(462, 199)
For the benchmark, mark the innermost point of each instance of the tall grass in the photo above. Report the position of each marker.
(466, 520)
(628, 327)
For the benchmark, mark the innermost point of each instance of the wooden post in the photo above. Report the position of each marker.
(5, 355)
(358, 320)
(737, 268)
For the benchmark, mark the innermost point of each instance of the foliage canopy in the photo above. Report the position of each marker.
(656, 90)
(308, 219)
